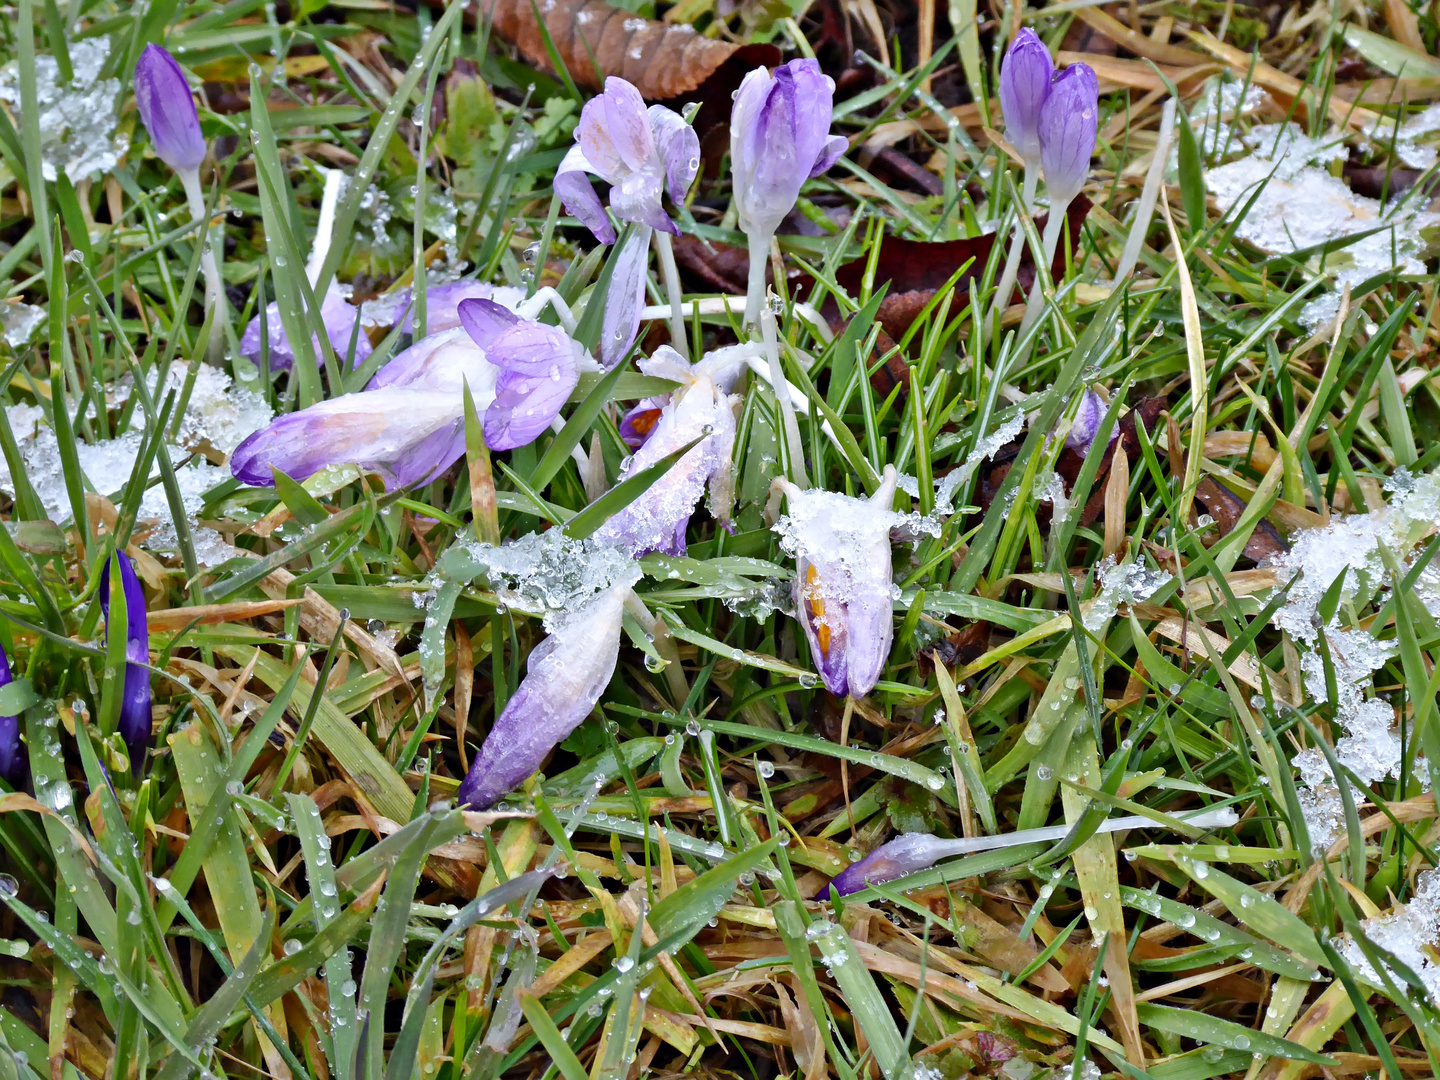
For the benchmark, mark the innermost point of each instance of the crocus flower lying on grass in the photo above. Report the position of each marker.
(442, 303)
(134, 726)
(167, 109)
(565, 676)
(701, 409)
(408, 426)
(843, 580)
(12, 761)
(779, 138)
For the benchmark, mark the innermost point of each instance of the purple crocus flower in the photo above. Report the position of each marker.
(337, 315)
(1024, 85)
(640, 152)
(843, 580)
(779, 138)
(167, 109)
(639, 421)
(442, 303)
(625, 301)
(1068, 119)
(1086, 424)
(12, 761)
(565, 676)
(134, 726)
(702, 408)
(908, 853)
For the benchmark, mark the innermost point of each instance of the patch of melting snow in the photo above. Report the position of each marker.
(1407, 932)
(551, 573)
(77, 119)
(985, 449)
(1414, 139)
(1121, 583)
(1300, 205)
(20, 321)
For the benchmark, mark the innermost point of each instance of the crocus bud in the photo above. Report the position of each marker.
(779, 138)
(1086, 424)
(842, 580)
(12, 761)
(1068, 119)
(168, 110)
(566, 674)
(134, 726)
(1024, 84)
(908, 853)
(641, 152)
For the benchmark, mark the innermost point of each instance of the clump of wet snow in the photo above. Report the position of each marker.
(1415, 140)
(19, 322)
(1409, 932)
(1224, 100)
(984, 450)
(1121, 583)
(1319, 799)
(551, 573)
(219, 413)
(1054, 493)
(77, 118)
(1300, 205)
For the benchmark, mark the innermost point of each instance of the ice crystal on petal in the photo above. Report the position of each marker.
(77, 119)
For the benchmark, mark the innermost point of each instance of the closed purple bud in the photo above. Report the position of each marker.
(640, 152)
(842, 586)
(12, 761)
(168, 110)
(337, 315)
(134, 726)
(908, 853)
(565, 676)
(1025, 79)
(779, 138)
(1068, 120)
(1086, 424)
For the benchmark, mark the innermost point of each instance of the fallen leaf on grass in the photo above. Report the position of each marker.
(1226, 508)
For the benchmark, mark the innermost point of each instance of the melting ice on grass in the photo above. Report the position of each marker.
(1407, 933)
(956, 478)
(1301, 205)
(1121, 583)
(78, 118)
(551, 573)
(19, 323)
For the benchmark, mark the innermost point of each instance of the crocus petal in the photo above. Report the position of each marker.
(336, 313)
(833, 150)
(577, 195)
(640, 420)
(538, 370)
(442, 303)
(167, 109)
(135, 714)
(1025, 79)
(637, 198)
(485, 320)
(907, 854)
(679, 149)
(565, 676)
(443, 361)
(405, 435)
(12, 761)
(1068, 120)
(626, 299)
(614, 131)
(1086, 424)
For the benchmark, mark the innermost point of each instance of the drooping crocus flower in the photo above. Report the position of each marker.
(134, 726)
(842, 586)
(565, 676)
(1068, 120)
(167, 109)
(442, 303)
(640, 420)
(408, 425)
(12, 761)
(1024, 85)
(640, 152)
(702, 408)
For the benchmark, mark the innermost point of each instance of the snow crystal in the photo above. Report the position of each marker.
(985, 449)
(1407, 933)
(551, 573)
(1301, 206)
(1054, 494)
(20, 322)
(1121, 583)
(218, 413)
(1412, 146)
(77, 119)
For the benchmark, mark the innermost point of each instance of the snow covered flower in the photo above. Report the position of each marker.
(640, 152)
(12, 762)
(843, 583)
(565, 676)
(908, 853)
(640, 420)
(167, 109)
(1025, 78)
(779, 138)
(1068, 119)
(337, 315)
(701, 409)
(134, 726)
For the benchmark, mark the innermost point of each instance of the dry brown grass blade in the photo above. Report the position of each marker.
(209, 614)
(596, 40)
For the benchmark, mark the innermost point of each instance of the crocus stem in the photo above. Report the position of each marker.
(1017, 248)
(755, 288)
(214, 287)
(1049, 242)
(1206, 819)
(782, 392)
(678, 340)
(325, 227)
